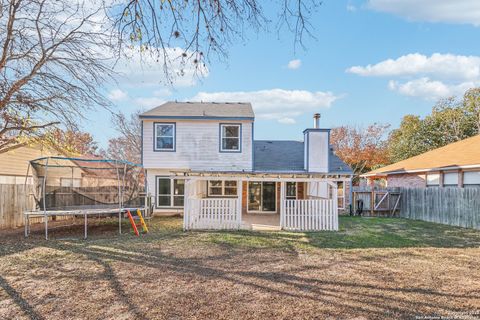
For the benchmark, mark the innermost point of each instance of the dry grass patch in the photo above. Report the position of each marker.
(371, 269)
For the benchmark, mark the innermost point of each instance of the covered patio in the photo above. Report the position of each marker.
(261, 222)
(261, 202)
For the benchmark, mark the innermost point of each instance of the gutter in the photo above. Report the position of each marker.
(384, 174)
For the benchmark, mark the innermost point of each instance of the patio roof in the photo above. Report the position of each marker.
(252, 175)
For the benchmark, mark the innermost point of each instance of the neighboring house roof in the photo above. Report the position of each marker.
(201, 110)
(461, 154)
(288, 156)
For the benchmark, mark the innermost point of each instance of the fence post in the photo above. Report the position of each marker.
(186, 203)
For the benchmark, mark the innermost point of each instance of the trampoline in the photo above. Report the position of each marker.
(82, 187)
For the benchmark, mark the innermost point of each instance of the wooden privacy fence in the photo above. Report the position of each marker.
(14, 200)
(212, 214)
(310, 215)
(452, 206)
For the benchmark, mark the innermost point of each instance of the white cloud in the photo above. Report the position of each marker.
(430, 89)
(157, 98)
(287, 120)
(274, 104)
(148, 102)
(147, 99)
(449, 11)
(440, 65)
(146, 69)
(417, 75)
(163, 92)
(351, 8)
(117, 95)
(294, 64)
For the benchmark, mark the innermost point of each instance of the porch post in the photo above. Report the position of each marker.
(240, 200)
(186, 202)
(282, 204)
(335, 205)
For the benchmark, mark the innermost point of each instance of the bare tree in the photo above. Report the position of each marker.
(72, 142)
(54, 57)
(128, 145)
(201, 28)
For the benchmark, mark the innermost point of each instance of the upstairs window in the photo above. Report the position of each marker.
(164, 136)
(230, 140)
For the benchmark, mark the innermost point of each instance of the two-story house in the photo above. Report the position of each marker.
(198, 150)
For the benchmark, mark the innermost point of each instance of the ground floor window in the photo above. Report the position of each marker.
(222, 188)
(341, 194)
(170, 192)
(262, 196)
(291, 191)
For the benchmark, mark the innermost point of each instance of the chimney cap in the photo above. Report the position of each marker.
(316, 120)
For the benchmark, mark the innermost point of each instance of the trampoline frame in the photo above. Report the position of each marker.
(80, 212)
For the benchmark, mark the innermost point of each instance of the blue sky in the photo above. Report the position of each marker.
(372, 61)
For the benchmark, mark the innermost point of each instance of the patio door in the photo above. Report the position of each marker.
(262, 196)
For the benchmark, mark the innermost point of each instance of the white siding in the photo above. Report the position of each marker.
(317, 144)
(197, 147)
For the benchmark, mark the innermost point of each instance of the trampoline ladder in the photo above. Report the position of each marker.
(134, 226)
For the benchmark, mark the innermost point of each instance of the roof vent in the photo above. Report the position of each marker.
(316, 120)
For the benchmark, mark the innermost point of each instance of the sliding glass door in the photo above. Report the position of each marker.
(262, 197)
(170, 192)
(268, 196)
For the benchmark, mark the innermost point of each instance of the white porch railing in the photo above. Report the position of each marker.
(212, 213)
(310, 215)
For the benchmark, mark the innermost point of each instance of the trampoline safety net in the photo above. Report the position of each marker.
(86, 183)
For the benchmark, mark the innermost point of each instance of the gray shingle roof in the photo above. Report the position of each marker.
(336, 164)
(277, 155)
(286, 156)
(201, 109)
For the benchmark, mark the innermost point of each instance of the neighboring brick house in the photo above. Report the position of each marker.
(454, 165)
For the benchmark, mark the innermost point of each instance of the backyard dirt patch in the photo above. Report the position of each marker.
(169, 274)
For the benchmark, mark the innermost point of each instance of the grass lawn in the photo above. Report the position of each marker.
(373, 268)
